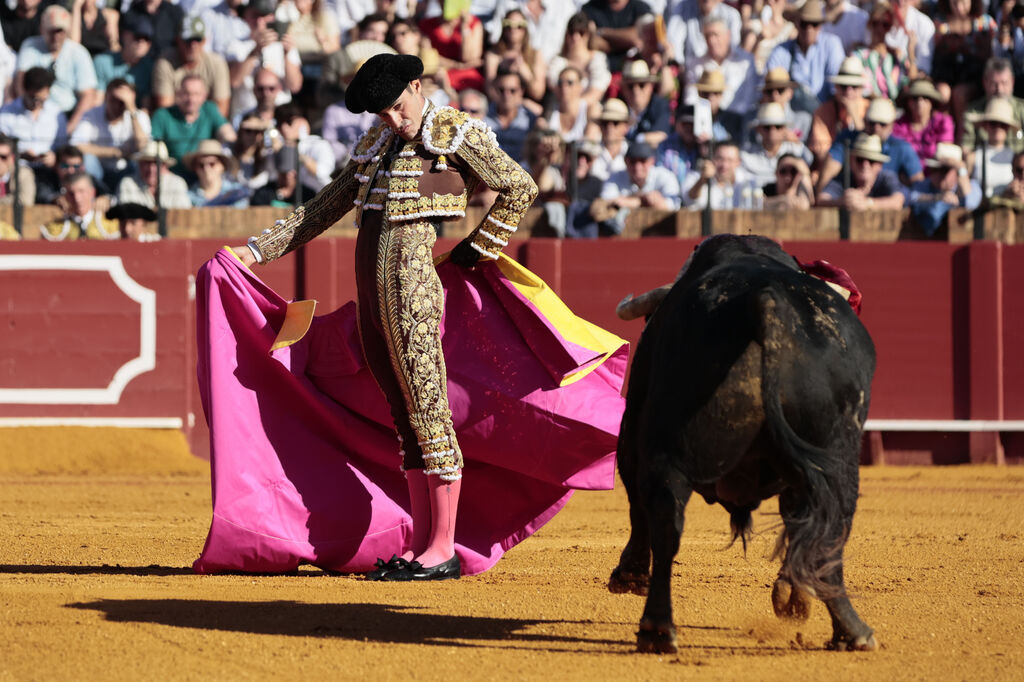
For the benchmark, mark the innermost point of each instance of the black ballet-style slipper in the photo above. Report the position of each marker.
(414, 570)
(395, 563)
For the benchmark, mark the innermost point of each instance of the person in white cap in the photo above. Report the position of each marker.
(760, 159)
(843, 111)
(74, 78)
(871, 188)
(879, 120)
(778, 87)
(946, 186)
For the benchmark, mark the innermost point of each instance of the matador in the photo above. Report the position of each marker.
(409, 174)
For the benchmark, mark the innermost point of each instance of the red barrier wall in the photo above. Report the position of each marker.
(944, 318)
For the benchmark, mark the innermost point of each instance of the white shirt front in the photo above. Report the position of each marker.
(94, 128)
(659, 179)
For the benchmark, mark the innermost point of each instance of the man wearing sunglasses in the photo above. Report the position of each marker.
(810, 58)
(760, 159)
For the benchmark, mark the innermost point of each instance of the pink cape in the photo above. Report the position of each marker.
(304, 456)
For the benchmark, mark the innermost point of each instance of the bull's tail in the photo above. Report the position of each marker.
(814, 507)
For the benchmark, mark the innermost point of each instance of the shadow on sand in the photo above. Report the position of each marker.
(361, 622)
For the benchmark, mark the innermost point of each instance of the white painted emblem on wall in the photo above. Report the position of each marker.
(145, 361)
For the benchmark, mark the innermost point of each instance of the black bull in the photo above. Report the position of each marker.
(751, 379)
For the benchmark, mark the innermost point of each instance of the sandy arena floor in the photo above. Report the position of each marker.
(99, 530)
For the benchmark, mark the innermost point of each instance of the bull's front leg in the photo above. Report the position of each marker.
(849, 632)
(633, 573)
(789, 601)
(665, 505)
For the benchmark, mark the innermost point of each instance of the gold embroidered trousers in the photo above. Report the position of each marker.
(400, 303)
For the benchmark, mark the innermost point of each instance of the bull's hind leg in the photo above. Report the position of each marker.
(665, 502)
(789, 601)
(849, 632)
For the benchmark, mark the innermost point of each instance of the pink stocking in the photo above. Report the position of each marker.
(444, 507)
(419, 501)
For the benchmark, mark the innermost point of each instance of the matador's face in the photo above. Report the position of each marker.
(405, 116)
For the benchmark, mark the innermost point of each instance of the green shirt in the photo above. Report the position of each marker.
(182, 137)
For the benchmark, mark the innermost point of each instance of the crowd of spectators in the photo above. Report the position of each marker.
(115, 108)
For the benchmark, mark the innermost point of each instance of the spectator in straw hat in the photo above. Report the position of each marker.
(760, 159)
(214, 186)
(614, 123)
(74, 77)
(810, 58)
(650, 113)
(778, 88)
(725, 124)
(879, 120)
(152, 161)
(946, 185)
(843, 111)
(736, 65)
(922, 124)
(685, 21)
(871, 187)
(998, 124)
(997, 81)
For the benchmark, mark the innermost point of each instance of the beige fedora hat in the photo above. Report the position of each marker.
(947, 155)
(868, 147)
(207, 148)
(921, 87)
(997, 110)
(711, 81)
(769, 114)
(637, 71)
(851, 72)
(614, 110)
(881, 110)
(153, 151)
(778, 78)
(811, 12)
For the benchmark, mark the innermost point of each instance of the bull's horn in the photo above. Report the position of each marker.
(643, 305)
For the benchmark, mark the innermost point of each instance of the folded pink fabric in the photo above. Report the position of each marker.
(304, 455)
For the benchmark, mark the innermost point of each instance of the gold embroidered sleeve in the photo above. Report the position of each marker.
(312, 218)
(516, 190)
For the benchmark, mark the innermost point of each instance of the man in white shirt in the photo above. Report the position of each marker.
(723, 178)
(917, 22)
(316, 156)
(735, 63)
(109, 134)
(759, 160)
(264, 48)
(684, 23)
(34, 120)
(641, 185)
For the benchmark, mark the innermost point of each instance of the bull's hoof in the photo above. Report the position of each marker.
(621, 582)
(790, 602)
(861, 643)
(656, 639)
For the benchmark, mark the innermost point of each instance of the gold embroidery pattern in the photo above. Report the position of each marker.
(516, 191)
(437, 205)
(411, 303)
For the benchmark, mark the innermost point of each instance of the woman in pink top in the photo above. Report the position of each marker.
(921, 124)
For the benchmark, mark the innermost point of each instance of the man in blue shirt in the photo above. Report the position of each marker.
(903, 161)
(947, 185)
(810, 58)
(507, 116)
(871, 188)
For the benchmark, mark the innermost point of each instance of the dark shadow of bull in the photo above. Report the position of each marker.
(751, 379)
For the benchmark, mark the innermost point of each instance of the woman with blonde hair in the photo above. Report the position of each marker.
(312, 28)
(514, 52)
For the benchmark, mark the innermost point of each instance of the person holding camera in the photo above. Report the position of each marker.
(269, 46)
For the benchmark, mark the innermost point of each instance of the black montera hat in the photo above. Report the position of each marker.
(131, 212)
(380, 81)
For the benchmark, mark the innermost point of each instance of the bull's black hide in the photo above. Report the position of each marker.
(752, 379)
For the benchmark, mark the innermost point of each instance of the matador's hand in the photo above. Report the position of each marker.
(464, 254)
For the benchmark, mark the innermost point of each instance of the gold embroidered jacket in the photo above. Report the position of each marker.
(430, 177)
